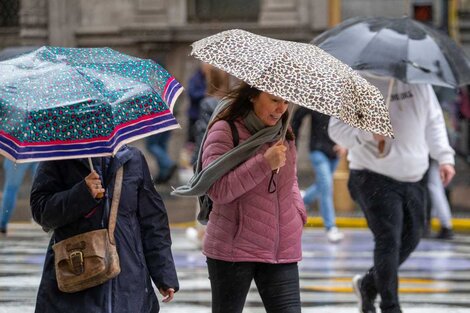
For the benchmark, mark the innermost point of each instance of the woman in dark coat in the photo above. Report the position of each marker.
(63, 199)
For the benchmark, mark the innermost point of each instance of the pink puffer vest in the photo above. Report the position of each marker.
(248, 223)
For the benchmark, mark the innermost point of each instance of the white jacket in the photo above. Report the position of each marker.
(419, 129)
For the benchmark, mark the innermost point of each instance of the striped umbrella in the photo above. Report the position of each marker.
(63, 103)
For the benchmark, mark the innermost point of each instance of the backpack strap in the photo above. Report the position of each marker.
(235, 136)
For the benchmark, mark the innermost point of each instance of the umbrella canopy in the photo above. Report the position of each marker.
(59, 103)
(398, 47)
(299, 73)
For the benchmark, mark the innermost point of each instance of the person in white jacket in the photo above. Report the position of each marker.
(387, 182)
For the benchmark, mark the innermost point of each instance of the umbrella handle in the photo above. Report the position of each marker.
(100, 195)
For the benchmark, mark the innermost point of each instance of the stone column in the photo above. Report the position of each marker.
(151, 12)
(177, 12)
(319, 18)
(279, 13)
(33, 22)
(64, 17)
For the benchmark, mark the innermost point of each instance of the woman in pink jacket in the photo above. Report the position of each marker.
(255, 226)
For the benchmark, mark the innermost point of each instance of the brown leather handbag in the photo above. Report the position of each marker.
(89, 259)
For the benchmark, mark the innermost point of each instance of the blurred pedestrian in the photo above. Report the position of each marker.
(196, 92)
(65, 198)
(14, 175)
(217, 86)
(255, 227)
(438, 202)
(157, 145)
(324, 156)
(386, 180)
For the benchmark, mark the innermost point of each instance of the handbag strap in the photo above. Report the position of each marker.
(115, 204)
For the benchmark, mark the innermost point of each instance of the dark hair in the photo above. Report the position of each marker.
(217, 82)
(240, 105)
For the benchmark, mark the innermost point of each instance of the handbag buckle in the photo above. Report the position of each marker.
(76, 262)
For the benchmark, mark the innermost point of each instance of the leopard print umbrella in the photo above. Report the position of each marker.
(299, 73)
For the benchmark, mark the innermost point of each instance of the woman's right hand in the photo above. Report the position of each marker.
(93, 183)
(276, 155)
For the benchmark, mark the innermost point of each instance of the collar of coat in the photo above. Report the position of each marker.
(122, 156)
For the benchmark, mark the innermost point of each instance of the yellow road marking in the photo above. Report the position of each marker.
(348, 289)
(459, 224)
(342, 289)
(402, 280)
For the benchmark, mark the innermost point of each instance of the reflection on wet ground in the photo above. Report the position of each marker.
(435, 279)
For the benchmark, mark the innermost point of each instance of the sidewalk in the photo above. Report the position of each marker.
(435, 279)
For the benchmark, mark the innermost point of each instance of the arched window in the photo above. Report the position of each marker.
(9, 10)
(223, 11)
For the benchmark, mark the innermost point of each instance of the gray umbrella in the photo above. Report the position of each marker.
(14, 51)
(398, 47)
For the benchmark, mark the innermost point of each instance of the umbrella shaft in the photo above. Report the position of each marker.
(100, 195)
(91, 164)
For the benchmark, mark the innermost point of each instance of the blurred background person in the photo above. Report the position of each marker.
(324, 157)
(157, 145)
(388, 184)
(14, 175)
(196, 91)
(217, 86)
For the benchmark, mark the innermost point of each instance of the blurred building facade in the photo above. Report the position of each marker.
(158, 29)
(164, 29)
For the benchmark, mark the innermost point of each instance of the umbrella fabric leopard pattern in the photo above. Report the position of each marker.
(300, 73)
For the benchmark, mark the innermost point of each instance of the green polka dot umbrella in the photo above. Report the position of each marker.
(62, 103)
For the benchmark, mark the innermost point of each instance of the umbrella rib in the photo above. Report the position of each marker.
(408, 48)
(366, 47)
(436, 38)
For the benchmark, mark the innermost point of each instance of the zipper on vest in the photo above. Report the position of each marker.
(276, 243)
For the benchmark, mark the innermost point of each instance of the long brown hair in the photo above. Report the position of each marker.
(217, 82)
(240, 105)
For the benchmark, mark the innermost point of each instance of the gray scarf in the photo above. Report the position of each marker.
(204, 178)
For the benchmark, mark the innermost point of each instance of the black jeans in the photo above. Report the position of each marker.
(395, 213)
(278, 285)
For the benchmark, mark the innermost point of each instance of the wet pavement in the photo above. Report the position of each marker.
(435, 279)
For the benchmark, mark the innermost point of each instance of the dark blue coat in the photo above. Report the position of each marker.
(196, 92)
(61, 201)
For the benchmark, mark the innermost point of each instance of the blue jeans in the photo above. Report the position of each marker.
(323, 187)
(278, 285)
(158, 145)
(14, 175)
